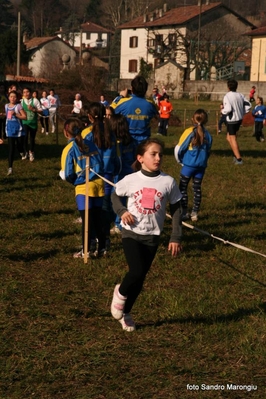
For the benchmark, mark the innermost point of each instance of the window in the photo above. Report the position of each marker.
(133, 41)
(88, 36)
(157, 62)
(150, 42)
(133, 66)
(172, 38)
(159, 39)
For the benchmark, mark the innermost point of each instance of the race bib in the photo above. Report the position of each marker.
(147, 200)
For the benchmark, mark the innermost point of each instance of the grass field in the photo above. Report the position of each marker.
(200, 319)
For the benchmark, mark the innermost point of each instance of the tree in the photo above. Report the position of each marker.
(42, 18)
(93, 11)
(8, 51)
(145, 69)
(6, 16)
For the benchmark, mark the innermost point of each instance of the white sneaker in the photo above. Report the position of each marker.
(118, 304)
(31, 156)
(46, 133)
(127, 323)
(53, 129)
(9, 172)
(194, 216)
(24, 156)
(42, 129)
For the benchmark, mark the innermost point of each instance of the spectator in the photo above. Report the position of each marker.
(138, 111)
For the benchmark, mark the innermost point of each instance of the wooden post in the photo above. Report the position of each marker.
(86, 224)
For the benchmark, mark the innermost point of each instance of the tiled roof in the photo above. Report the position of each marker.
(175, 16)
(257, 32)
(94, 28)
(89, 27)
(25, 79)
(38, 41)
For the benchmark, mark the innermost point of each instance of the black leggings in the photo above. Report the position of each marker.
(12, 141)
(29, 131)
(95, 227)
(44, 122)
(184, 180)
(139, 258)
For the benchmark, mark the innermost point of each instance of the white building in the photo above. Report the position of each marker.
(166, 35)
(90, 35)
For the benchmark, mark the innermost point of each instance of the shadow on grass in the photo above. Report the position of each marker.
(239, 314)
(32, 257)
(37, 214)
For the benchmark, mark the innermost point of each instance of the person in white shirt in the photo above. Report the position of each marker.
(77, 106)
(235, 106)
(148, 192)
(55, 103)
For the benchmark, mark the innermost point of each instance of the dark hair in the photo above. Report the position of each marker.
(139, 86)
(199, 119)
(111, 109)
(100, 129)
(261, 100)
(119, 126)
(232, 84)
(13, 92)
(73, 126)
(143, 147)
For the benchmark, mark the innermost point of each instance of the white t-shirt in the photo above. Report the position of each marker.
(77, 106)
(152, 192)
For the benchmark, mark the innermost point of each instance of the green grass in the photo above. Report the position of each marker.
(200, 318)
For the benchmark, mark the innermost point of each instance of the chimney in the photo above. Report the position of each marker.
(207, 2)
(145, 18)
(160, 13)
(165, 7)
(199, 2)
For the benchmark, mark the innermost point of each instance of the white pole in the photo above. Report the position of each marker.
(86, 224)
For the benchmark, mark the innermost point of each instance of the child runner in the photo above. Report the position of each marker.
(55, 103)
(252, 94)
(73, 165)
(260, 115)
(31, 106)
(193, 151)
(222, 119)
(126, 150)
(44, 118)
(148, 191)
(77, 105)
(165, 112)
(105, 142)
(14, 129)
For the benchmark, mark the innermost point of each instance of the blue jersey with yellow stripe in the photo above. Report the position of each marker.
(73, 167)
(139, 113)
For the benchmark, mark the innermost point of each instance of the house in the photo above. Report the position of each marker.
(89, 35)
(171, 76)
(258, 57)
(178, 34)
(49, 55)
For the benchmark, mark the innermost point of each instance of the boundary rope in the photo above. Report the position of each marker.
(206, 233)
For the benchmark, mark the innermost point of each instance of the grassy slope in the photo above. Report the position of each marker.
(201, 317)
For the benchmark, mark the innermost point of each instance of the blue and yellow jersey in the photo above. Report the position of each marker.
(86, 132)
(139, 113)
(73, 168)
(195, 157)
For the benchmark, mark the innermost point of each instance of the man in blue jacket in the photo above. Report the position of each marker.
(137, 109)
